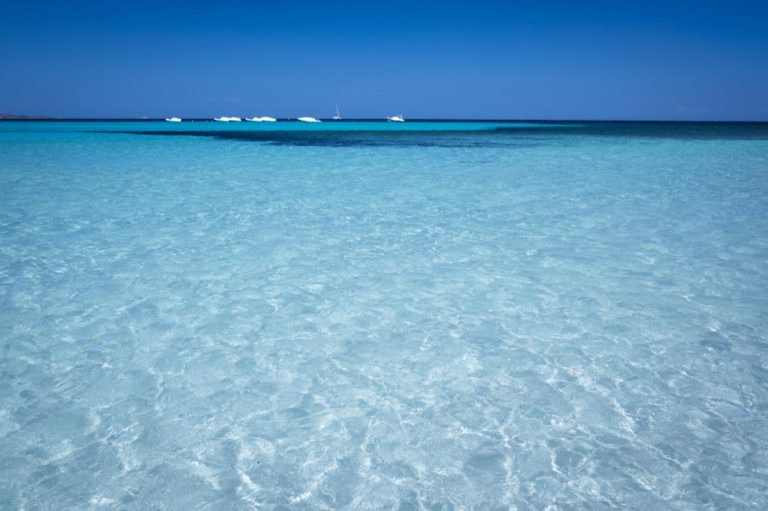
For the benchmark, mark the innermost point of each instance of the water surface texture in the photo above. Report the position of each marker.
(434, 316)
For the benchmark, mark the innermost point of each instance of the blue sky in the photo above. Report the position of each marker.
(480, 59)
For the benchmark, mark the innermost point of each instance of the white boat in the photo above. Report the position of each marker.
(235, 119)
(172, 119)
(337, 117)
(228, 119)
(268, 119)
(253, 119)
(396, 118)
(308, 119)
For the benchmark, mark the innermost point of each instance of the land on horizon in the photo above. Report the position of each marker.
(28, 117)
(21, 117)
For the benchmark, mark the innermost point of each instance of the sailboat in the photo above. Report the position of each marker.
(337, 117)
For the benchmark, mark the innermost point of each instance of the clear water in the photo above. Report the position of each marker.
(355, 316)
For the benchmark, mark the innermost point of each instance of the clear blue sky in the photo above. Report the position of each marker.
(471, 59)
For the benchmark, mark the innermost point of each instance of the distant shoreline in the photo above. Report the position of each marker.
(14, 117)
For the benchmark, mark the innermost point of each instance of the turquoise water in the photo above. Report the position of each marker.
(435, 316)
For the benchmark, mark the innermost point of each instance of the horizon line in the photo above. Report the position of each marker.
(36, 118)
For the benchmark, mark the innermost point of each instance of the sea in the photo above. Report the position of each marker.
(368, 315)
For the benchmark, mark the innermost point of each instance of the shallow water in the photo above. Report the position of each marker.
(378, 316)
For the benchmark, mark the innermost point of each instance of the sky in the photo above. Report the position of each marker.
(476, 59)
